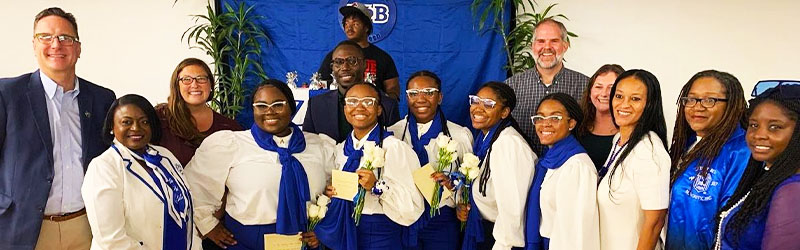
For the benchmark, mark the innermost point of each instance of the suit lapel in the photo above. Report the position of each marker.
(137, 170)
(38, 105)
(332, 100)
(85, 103)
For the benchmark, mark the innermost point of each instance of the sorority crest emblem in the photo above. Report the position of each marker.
(384, 15)
(701, 183)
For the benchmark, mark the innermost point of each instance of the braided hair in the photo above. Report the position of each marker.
(708, 148)
(570, 105)
(505, 95)
(652, 118)
(761, 183)
(378, 103)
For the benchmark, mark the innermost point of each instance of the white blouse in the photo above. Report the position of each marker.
(512, 164)
(401, 202)
(640, 182)
(458, 133)
(568, 200)
(251, 174)
(121, 204)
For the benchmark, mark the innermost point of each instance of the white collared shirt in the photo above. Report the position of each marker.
(233, 160)
(458, 133)
(512, 164)
(401, 201)
(568, 200)
(65, 130)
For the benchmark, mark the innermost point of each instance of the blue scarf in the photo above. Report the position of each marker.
(419, 144)
(338, 229)
(473, 234)
(293, 192)
(553, 158)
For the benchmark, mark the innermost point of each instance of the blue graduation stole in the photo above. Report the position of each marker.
(473, 234)
(293, 192)
(553, 158)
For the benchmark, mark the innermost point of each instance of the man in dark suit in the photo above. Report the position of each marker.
(325, 113)
(50, 123)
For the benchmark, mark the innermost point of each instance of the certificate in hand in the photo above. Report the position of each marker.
(345, 183)
(282, 242)
(425, 184)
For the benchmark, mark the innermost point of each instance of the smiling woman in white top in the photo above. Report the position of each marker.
(633, 193)
(424, 123)
(391, 200)
(562, 203)
(270, 172)
(135, 193)
(495, 216)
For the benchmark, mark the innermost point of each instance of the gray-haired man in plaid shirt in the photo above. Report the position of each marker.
(549, 76)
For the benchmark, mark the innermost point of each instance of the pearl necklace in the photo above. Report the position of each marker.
(722, 216)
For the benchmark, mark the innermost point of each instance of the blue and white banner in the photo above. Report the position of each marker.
(440, 36)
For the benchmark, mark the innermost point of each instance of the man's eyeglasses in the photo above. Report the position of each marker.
(487, 103)
(186, 80)
(427, 92)
(365, 101)
(351, 61)
(263, 106)
(764, 86)
(707, 102)
(65, 40)
(553, 119)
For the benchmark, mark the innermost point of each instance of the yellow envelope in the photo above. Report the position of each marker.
(282, 242)
(346, 184)
(422, 178)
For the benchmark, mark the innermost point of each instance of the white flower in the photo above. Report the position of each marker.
(442, 140)
(464, 169)
(322, 211)
(313, 211)
(452, 146)
(323, 200)
(473, 172)
(471, 160)
(378, 153)
(378, 162)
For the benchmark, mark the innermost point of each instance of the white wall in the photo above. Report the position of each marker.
(127, 46)
(753, 40)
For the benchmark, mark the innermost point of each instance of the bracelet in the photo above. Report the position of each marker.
(380, 185)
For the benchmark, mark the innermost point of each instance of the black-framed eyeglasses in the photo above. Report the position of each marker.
(539, 119)
(427, 92)
(707, 102)
(275, 106)
(351, 61)
(766, 85)
(476, 100)
(186, 80)
(65, 40)
(364, 101)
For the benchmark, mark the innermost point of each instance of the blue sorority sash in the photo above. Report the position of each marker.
(473, 234)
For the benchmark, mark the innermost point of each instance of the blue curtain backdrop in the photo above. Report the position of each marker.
(440, 36)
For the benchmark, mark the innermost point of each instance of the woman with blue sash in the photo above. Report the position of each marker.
(762, 212)
(424, 123)
(270, 172)
(495, 216)
(391, 201)
(135, 193)
(709, 154)
(561, 211)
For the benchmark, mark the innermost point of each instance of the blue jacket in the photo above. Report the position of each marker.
(695, 200)
(26, 152)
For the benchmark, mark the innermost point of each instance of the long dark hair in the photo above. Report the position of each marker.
(506, 97)
(708, 148)
(761, 183)
(570, 104)
(652, 118)
(589, 110)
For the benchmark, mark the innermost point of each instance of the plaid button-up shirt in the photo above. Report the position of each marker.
(530, 89)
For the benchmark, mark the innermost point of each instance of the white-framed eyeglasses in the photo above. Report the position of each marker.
(275, 106)
(427, 92)
(476, 100)
(538, 119)
(65, 40)
(364, 101)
